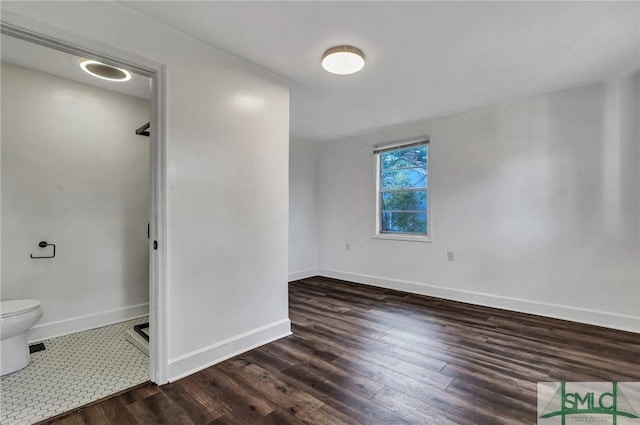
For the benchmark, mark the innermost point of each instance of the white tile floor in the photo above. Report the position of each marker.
(73, 370)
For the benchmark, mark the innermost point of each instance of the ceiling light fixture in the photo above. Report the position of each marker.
(106, 72)
(343, 60)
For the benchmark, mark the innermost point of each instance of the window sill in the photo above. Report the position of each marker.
(401, 237)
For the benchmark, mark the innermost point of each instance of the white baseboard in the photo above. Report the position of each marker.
(49, 330)
(302, 274)
(557, 311)
(192, 362)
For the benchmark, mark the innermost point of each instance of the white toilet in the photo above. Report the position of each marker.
(16, 318)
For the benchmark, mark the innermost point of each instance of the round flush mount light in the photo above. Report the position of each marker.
(106, 72)
(343, 60)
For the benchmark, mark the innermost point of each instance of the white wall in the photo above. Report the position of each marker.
(303, 226)
(75, 174)
(538, 199)
(227, 158)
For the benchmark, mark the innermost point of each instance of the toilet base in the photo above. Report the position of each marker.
(15, 354)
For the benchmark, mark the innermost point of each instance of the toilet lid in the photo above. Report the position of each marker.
(13, 307)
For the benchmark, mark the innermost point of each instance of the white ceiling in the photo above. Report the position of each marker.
(424, 59)
(54, 62)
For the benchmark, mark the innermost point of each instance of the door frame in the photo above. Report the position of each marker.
(44, 35)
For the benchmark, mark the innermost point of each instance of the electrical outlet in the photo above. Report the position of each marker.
(451, 256)
(347, 246)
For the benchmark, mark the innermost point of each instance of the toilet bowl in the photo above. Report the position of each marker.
(16, 318)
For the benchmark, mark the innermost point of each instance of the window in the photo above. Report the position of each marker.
(403, 191)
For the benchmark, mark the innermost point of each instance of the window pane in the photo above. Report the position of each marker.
(400, 179)
(415, 156)
(406, 200)
(403, 194)
(403, 222)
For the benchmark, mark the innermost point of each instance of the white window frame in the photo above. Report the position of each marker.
(377, 150)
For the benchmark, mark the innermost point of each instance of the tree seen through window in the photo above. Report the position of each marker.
(403, 183)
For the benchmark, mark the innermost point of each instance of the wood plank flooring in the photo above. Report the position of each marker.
(361, 355)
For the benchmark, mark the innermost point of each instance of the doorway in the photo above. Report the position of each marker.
(157, 188)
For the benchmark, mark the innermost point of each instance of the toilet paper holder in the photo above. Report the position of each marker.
(45, 244)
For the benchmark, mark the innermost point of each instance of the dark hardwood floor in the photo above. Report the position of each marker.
(362, 355)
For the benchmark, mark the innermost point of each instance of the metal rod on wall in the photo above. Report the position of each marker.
(142, 131)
